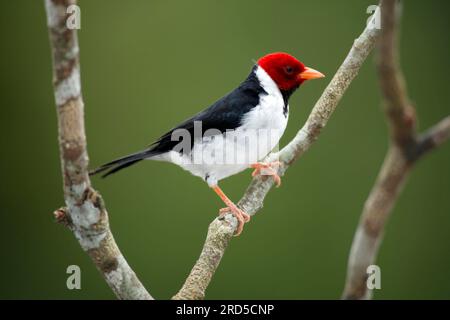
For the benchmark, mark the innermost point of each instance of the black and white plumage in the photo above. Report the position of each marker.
(235, 132)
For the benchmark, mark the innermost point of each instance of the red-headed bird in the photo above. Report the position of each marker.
(234, 133)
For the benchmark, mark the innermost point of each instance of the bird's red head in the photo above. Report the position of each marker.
(287, 72)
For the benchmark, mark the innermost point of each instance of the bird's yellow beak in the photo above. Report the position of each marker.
(310, 73)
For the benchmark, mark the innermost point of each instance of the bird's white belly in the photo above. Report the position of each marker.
(221, 156)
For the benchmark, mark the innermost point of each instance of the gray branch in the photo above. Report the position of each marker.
(85, 213)
(220, 230)
(406, 147)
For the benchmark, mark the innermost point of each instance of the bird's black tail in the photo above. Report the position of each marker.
(121, 163)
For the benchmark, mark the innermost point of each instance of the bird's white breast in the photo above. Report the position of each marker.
(268, 114)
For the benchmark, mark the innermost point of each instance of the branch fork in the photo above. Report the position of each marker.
(406, 147)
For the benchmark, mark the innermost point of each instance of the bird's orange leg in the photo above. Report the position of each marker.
(267, 169)
(240, 215)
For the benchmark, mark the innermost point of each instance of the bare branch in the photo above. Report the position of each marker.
(370, 229)
(404, 150)
(86, 214)
(400, 113)
(221, 230)
(434, 137)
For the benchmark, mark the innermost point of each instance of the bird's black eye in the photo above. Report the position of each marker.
(289, 69)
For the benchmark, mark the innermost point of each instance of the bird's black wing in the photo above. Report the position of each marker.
(225, 114)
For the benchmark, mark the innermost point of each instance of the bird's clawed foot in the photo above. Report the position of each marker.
(267, 169)
(240, 215)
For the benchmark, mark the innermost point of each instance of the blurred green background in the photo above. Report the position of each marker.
(146, 65)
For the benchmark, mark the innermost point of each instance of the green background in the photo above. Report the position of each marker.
(146, 65)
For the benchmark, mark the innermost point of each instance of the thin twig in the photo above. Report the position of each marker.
(221, 231)
(85, 214)
(405, 148)
(434, 137)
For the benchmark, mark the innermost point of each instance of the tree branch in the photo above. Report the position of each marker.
(221, 230)
(404, 150)
(434, 137)
(400, 114)
(85, 214)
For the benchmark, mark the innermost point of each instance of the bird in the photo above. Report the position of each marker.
(233, 134)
